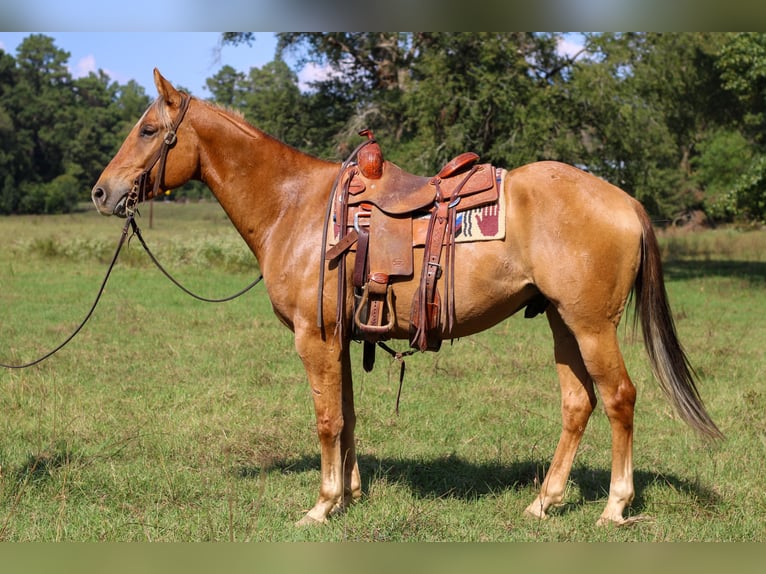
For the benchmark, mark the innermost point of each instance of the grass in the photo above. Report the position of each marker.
(168, 419)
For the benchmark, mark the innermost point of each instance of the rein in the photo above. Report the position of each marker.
(130, 223)
(137, 233)
(90, 312)
(137, 194)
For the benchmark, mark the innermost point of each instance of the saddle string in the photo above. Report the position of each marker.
(341, 267)
(398, 356)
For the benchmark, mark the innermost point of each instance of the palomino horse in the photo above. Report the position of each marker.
(571, 238)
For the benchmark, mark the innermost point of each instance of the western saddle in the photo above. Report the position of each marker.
(384, 213)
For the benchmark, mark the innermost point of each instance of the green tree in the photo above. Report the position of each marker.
(483, 92)
(272, 101)
(429, 96)
(227, 87)
(742, 66)
(639, 104)
(36, 100)
(649, 112)
(56, 133)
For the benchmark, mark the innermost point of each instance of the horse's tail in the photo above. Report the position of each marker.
(669, 363)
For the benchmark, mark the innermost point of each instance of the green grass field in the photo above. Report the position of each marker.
(168, 419)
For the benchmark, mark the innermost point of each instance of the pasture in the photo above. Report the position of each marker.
(168, 419)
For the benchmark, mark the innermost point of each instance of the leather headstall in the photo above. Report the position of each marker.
(138, 193)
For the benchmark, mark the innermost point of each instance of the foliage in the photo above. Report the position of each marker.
(675, 119)
(633, 108)
(723, 157)
(57, 132)
(479, 92)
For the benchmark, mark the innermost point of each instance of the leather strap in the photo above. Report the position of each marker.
(425, 305)
(138, 193)
(342, 246)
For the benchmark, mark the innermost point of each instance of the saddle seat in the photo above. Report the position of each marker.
(397, 192)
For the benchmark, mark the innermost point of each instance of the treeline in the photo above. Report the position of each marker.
(675, 119)
(57, 133)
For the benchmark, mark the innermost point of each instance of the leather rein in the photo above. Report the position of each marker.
(136, 195)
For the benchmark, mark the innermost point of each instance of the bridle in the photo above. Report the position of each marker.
(136, 195)
(138, 192)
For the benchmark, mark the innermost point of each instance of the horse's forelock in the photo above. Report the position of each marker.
(162, 111)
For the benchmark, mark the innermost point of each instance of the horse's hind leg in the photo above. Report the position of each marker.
(603, 359)
(577, 403)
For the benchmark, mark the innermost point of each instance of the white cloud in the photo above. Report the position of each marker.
(312, 73)
(85, 66)
(570, 44)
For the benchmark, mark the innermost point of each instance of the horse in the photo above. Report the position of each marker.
(573, 240)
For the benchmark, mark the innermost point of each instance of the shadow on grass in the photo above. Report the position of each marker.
(751, 271)
(454, 477)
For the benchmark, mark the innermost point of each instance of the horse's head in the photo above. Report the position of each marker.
(140, 170)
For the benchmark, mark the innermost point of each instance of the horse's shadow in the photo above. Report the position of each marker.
(454, 477)
(753, 272)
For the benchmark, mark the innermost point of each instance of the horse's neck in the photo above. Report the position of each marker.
(265, 186)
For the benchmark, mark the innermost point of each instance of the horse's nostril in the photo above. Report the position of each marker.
(98, 193)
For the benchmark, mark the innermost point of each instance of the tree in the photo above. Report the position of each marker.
(428, 96)
(272, 101)
(56, 133)
(227, 87)
(653, 113)
(742, 66)
(36, 99)
(484, 92)
(638, 105)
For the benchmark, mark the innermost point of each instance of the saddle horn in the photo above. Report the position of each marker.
(370, 157)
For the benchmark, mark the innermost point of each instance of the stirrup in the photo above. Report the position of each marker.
(374, 329)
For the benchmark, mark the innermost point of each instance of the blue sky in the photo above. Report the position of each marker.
(185, 58)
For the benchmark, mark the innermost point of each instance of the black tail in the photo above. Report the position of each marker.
(669, 363)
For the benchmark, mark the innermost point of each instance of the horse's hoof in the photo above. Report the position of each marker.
(620, 522)
(310, 521)
(535, 510)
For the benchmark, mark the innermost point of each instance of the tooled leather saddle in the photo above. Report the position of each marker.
(386, 215)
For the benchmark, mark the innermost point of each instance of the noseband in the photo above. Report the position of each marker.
(138, 192)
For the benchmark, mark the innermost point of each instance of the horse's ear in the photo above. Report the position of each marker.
(166, 89)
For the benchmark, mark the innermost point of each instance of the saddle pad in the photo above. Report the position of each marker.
(483, 223)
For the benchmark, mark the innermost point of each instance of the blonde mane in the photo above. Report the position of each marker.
(232, 115)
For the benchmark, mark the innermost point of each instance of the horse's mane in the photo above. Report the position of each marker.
(234, 116)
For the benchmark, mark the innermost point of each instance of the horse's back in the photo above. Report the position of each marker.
(565, 189)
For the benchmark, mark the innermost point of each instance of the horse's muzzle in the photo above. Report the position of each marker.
(100, 199)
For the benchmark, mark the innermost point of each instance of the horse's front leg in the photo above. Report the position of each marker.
(352, 480)
(329, 374)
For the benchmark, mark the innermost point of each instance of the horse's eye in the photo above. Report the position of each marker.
(148, 131)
